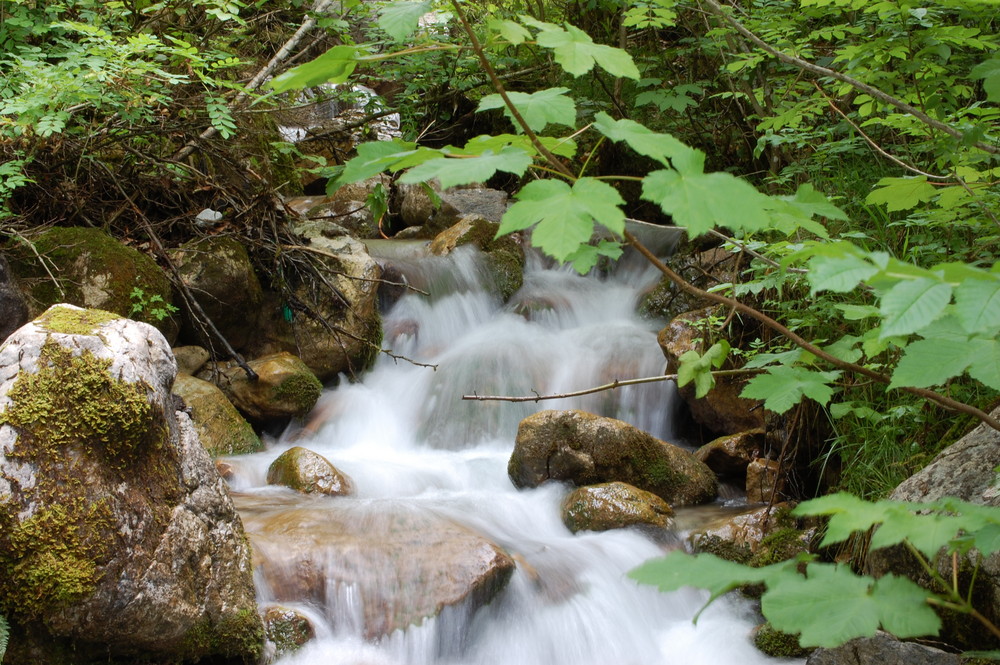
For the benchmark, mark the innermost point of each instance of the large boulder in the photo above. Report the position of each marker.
(504, 256)
(372, 568)
(722, 410)
(221, 428)
(448, 206)
(347, 335)
(13, 309)
(117, 536)
(584, 449)
(964, 470)
(88, 268)
(614, 506)
(729, 455)
(218, 273)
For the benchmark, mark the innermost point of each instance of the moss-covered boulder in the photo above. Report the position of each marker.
(221, 428)
(777, 644)
(614, 506)
(337, 327)
(287, 629)
(88, 268)
(117, 536)
(759, 537)
(284, 388)
(504, 256)
(218, 273)
(584, 449)
(305, 471)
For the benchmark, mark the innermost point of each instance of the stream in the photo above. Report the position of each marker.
(414, 448)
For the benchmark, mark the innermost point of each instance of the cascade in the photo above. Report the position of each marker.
(420, 457)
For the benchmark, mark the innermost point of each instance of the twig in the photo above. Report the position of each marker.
(607, 386)
(853, 82)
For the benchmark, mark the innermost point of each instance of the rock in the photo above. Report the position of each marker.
(883, 649)
(728, 456)
(355, 217)
(705, 270)
(417, 208)
(305, 471)
(221, 428)
(285, 388)
(585, 449)
(218, 272)
(287, 629)
(13, 310)
(373, 568)
(764, 481)
(350, 307)
(117, 536)
(766, 534)
(93, 270)
(963, 470)
(190, 359)
(722, 410)
(505, 258)
(614, 506)
(771, 641)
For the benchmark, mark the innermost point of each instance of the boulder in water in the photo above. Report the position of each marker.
(285, 388)
(614, 506)
(504, 256)
(305, 471)
(287, 629)
(117, 536)
(585, 449)
(373, 569)
(418, 209)
(883, 649)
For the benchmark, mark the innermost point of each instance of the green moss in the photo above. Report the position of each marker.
(287, 629)
(237, 635)
(777, 644)
(778, 546)
(724, 549)
(73, 398)
(301, 390)
(74, 321)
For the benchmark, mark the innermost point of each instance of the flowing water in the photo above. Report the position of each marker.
(412, 446)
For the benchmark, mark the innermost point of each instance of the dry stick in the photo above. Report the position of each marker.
(854, 83)
(946, 402)
(607, 386)
(308, 24)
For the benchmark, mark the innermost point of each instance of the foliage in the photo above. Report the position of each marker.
(828, 604)
(4, 635)
(152, 307)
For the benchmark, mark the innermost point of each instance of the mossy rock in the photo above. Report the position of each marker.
(95, 271)
(777, 644)
(614, 506)
(221, 428)
(504, 256)
(284, 388)
(305, 471)
(287, 629)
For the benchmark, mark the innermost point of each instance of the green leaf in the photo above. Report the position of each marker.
(334, 66)
(986, 366)
(931, 362)
(782, 387)
(586, 257)
(401, 18)
(577, 53)
(815, 203)
(702, 201)
(902, 193)
(464, 170)
(698, 368)
(661, 147)
(857, 312)
(496, 143)
(989, 72)
(912, 304)
(977, 304)
(563, 217)
(706, 571)
(515, 33)
(832, 605)
(838, 274)
(538, 109)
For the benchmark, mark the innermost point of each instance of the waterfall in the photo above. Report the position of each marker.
(414, 449)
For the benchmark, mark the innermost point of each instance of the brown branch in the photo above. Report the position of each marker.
(315, 250)
(597, 389)
(853, 82)
(681, 283)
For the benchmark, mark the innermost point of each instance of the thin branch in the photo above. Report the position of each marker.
(853, 82)
(597, 389)
(684, 285)
(316, 250)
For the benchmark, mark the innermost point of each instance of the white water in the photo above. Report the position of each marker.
(406, 438)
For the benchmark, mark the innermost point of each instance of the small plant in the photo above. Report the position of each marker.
(4, 635)
(151, 308)
(828, 604)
